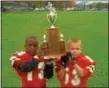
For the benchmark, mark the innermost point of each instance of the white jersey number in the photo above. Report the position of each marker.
(30, 75)
(75, 81)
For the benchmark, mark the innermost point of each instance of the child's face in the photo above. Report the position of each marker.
(31, 46)
(75, 48)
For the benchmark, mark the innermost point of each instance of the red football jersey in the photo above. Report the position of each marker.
(34, 78)
(69, 76)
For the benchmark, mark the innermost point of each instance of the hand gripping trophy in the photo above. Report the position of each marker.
(53, 44)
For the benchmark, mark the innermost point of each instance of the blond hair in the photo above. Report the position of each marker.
(74, 40)
(30, 37)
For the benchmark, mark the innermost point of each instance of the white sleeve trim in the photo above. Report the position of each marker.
(90, 59)
(20, 53)
(13, 59)
(91, 68)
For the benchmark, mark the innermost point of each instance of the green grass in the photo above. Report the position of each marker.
(90, 27)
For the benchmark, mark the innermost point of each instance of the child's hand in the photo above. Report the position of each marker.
(64, 60)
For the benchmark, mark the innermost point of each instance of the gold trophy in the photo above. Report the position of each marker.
(53, 44)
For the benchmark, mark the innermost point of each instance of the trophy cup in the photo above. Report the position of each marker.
(51, 16)
(53, 44)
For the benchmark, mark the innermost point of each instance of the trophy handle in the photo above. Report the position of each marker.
(48, 19)
(53, 17)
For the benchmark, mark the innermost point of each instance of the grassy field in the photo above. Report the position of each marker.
(90, 27)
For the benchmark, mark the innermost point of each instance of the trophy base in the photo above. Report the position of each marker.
(53, 56)
(54, 47)
(52, 27)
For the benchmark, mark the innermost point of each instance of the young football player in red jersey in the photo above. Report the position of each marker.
(74, 68)
(30, 67)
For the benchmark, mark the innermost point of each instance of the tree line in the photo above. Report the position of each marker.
(40, 4)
